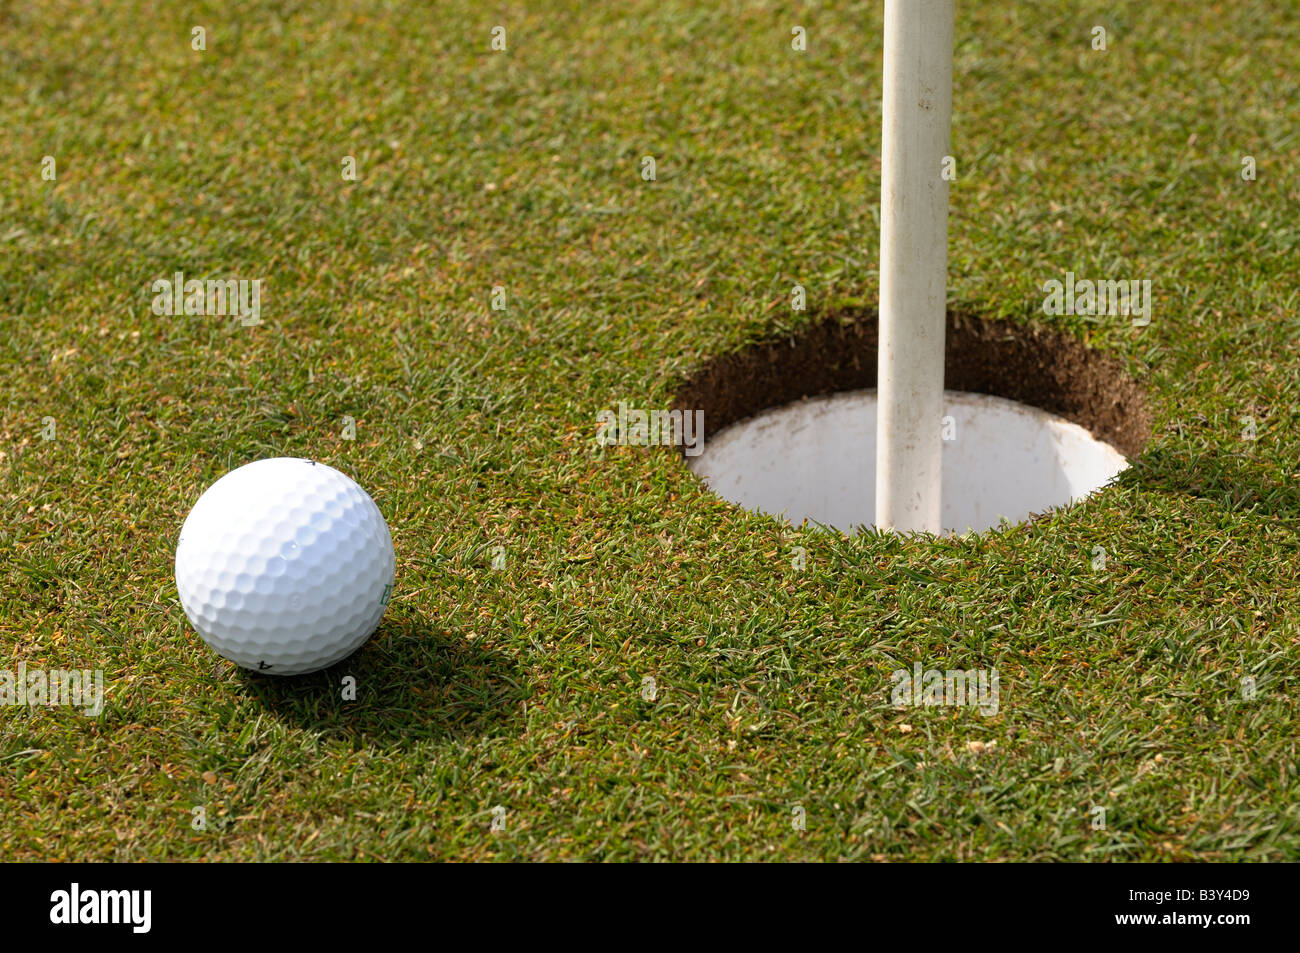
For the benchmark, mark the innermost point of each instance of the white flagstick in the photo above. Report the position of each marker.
(913, 263)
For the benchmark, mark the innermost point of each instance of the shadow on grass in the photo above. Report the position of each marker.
(1234, 482)
(413, 683)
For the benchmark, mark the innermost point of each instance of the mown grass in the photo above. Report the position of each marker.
(523, 687)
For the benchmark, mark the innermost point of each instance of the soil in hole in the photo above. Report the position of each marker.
(1044, 368)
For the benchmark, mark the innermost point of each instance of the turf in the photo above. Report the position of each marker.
(523, 687)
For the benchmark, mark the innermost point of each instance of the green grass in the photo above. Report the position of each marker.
(523, 687)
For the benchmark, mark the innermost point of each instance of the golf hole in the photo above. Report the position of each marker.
(1033, 421)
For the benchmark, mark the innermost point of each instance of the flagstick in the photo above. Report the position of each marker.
(913, 263)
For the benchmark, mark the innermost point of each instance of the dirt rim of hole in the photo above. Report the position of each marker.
(1047, 369)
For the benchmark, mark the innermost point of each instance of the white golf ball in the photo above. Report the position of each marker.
(285, 566)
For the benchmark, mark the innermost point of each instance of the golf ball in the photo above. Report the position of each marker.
(284, 566)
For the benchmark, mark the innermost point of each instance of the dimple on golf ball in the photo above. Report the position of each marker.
(285, 566)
